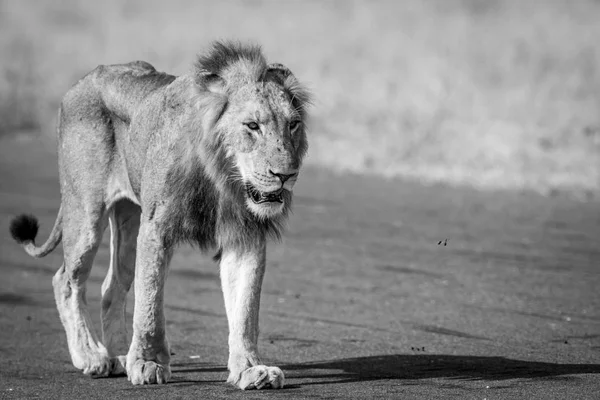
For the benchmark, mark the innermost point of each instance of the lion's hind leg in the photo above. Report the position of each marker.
(82, 234)
(124, 219)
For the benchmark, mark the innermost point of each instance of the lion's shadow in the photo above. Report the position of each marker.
(416, 367)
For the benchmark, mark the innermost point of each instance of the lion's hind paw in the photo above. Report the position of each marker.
(100, 367)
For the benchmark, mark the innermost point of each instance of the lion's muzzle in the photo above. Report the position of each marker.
(259, 197)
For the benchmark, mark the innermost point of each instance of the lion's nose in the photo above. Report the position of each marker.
(283, 177)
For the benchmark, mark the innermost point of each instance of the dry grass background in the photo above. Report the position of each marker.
(495, 94)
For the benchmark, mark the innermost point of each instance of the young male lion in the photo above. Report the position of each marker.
(210, 157)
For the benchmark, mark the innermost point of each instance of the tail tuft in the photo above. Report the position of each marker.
(217, 257)
(24, 228)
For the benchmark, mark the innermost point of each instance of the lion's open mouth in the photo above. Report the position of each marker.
(259, 197)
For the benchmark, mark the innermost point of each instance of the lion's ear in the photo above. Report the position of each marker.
(281, 74)
(278, 72)
(210, 81)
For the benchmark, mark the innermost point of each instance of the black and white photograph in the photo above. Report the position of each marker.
(300, 199)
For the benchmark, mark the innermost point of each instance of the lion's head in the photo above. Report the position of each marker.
(255, 137)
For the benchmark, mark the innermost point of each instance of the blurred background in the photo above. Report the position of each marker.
(492, 94)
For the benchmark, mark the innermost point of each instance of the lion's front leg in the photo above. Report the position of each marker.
(242, 273)
(148, 357)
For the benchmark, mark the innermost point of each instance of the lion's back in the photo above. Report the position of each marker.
(117, 89)
(95, 117)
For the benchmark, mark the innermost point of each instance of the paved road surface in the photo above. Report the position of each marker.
(360, 300)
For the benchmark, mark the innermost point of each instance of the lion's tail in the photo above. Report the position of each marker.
(24, 228)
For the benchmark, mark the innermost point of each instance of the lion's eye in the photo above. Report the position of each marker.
(253, 126)
(294, 125)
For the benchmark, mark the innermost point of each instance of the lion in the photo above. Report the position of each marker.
(209, 157)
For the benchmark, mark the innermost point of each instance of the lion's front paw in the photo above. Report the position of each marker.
(260, 377)
(142, 372)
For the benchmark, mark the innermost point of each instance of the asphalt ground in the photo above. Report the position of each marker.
(379, 289)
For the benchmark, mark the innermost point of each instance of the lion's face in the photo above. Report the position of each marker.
(257, 112)
(266, 136)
